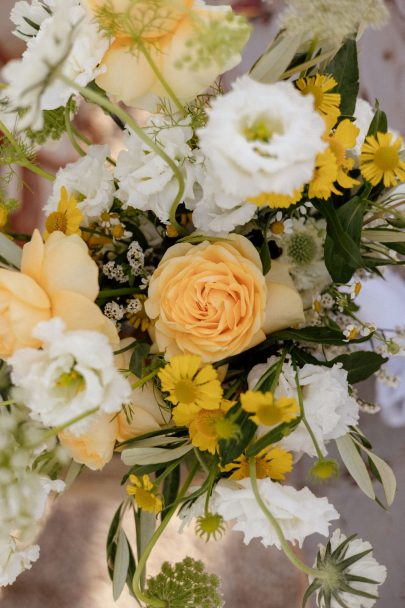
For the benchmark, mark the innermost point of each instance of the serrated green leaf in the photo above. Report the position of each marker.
(344, 68)
(121, 564)
(150, 456)
(355, 465)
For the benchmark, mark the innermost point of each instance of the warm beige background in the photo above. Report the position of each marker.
(71, 572)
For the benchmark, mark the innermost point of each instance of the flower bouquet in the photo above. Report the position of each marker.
(191, 303)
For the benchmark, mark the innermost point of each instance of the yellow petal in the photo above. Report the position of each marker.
(32, 257)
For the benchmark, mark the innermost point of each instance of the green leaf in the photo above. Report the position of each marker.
(274, 61)
(9, 251)
(387, 476)
(379, 124)
(398, 247)
(265, 256)
(72, 473)
(345, 69)
(170, 488)
(360, 365)
(137, 361)
(273, 436)
(229, 450)
(121, 564)
(147, 455)
(112, 540)
(318, 335)
(355, 465)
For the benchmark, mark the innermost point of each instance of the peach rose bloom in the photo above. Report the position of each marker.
(128, 76)
(212, 299)
(146, 407)
(57, 279)
(94, 448)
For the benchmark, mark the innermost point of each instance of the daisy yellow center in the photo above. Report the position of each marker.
(386, 158)
(205, 423)
(277, 228)
(146, 500)
(269, 415)
(185, 391)
(57, 220)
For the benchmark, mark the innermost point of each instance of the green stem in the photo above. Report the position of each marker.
(26, 163)
(145, 379)
(288, 552)
(70, 133)
(155, 602)
(112, 293)
(302, 411)
(211, 480)
(5, 403)
(59, 429)
(106, 104)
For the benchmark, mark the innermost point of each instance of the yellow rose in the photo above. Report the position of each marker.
(145, 411)
(212, 299)
(57, 279)
(95, 447)
(168, 34)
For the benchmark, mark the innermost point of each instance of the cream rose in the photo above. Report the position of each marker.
(95, 447)
(166, 31)
(212, 299)
(57, 279)
(145, 410)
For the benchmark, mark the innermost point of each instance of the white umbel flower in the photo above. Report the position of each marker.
(88, 177)
(68, 43)
(275, 134)
(365, 567)
(329, 409)
(299, 512)
(146, 181)
(73, 374)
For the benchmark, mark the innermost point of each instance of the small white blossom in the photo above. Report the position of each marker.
(299, 512)
(88, 177)
(136, 258)
(329, 409)
(134, 306)
(68, 43)
(113, 310)
(275, 134)
(115, 272)
(73, 374)
(146, 181)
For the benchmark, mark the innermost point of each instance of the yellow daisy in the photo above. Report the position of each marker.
(190, 388)
(276, 201)
(325, 175)
(380, 160)
(144, 493)
(327, 104)
(267, 410)
(344, 138)
(67, 217)
(208, 427)
(273, 462)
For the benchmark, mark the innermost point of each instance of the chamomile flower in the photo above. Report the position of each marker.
(67, 217)
(380, 160)
(351, 332)
(190, 387)
(145, 494)
(267, 410)
(325, 102)
(273, 462)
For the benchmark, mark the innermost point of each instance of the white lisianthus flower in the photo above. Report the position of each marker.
(68, 43)
(73, 374)
(262, 138)
(146, 181)
(87, 177)
(303, 252)
(366, 567)
(364, 114)
(329, 409)
(14, 561)
(299, 512)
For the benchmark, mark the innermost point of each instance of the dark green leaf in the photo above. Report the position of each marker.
(112, 540)
(398, 247)
(360, 365)
(229, 450)
(137, 361)
(379, 124)
(273, 436)
(318, 335)
(265, 257)
(344, 68)
(170, 488)
(314, 586)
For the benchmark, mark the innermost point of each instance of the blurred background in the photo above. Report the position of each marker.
(71, 572)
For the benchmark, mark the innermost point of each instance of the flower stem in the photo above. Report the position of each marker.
(145, 379)
(143, 597)
(59, 429)
(106, 104)
(288, 552)
(25, 163)
(302, 410)
(112, 293)
(70, 133)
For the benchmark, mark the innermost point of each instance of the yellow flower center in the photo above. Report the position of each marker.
(57, 220)
(386, 158)
(71, 380)
(146, 500)
(205, 422)
(185, 391)
(262, 130)
(277, 228)
(225, 428)
(269, 415)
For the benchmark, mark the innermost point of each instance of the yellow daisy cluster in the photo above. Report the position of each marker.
(67, 217)
(197, 395)
(145, 494)
(267, 410)
(273, 462)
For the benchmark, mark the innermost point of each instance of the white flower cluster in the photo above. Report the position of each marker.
(136, 258)
(329, 409)
(23, 494)
(146, 181)
(72, 375)
(89, 180)
(115, 272)
(69, 44)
